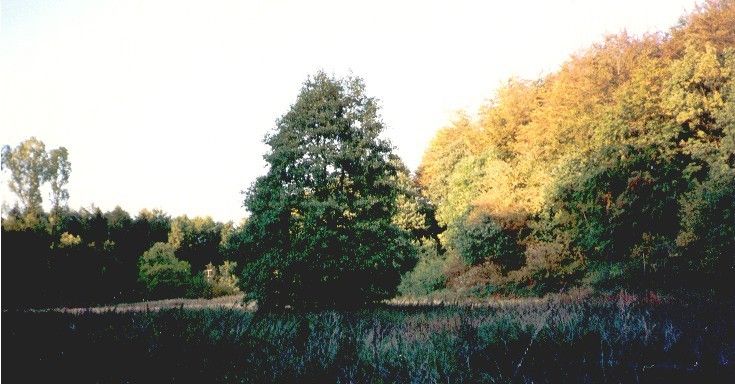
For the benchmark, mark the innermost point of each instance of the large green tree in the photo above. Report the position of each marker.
(321, 231)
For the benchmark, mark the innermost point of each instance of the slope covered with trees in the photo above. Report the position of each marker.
(616, 171)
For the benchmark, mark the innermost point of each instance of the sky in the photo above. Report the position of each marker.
(164, 104)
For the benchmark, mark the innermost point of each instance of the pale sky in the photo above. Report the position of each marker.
(164, 104)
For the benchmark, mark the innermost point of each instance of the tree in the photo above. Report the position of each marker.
(161, 273)
(196, 240)
(447, 149)
(27, 163)
(321, 229)
(30, 167)
(58, 171)
(414, 213)
(711, 22)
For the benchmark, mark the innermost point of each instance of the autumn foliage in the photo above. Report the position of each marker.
(600, 171)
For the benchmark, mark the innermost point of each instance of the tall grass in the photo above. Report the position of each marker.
(620, 340)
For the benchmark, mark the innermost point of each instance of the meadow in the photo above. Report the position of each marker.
(619, 338)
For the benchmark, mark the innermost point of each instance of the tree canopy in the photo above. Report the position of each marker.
(600, 171)
(322, 230)
(31, 166)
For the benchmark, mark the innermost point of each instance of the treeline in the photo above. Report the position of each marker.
(88, 256)
(617, 171)
(65, 257)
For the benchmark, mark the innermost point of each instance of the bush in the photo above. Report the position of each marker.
(162, 274)
(478, 238)
(199, 287)
(428, 276)
(223, 280)
(550, 267)
(214, 281)
(478, 281)
(618, 216)
(708, 228)
(609, 204)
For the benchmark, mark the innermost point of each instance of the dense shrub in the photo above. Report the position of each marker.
(480, 238)
(162, 274)
(708, 229)
(199, 287)
(223, 279)
(620, 209)
(428, 275)
(618, 196)
(550, 267)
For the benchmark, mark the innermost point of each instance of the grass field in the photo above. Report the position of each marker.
(559, 339)
(223, 302)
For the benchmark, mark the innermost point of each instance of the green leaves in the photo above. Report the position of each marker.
(322, 230)
(161, 273)
(30, 167)
(619, 165)
(480, 238)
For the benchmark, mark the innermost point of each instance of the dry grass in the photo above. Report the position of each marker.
(621, 338)
(223, 302)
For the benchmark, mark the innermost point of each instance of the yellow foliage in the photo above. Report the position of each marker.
(67, 240)
(712, 22)
(637, 90)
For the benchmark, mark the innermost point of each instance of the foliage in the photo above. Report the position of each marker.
(69, 240)
(199, 287)
(615, 171)
(447, 148)
(222, 279)
(427, 277)
(607, 169)
(621, 195)
(161, 273)
(480, 238)
(415, 214)
(708, 229)
(321, 229)
(196, 240)
(30, 166)
(550, 267)
(91, 257)
(58, 172)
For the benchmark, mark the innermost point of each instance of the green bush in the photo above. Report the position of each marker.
(223, 280)
(708, 228)
(214, 281)
(162, 274)
(428, 276)
(199, 287)
(617, 214)
(478, 238)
